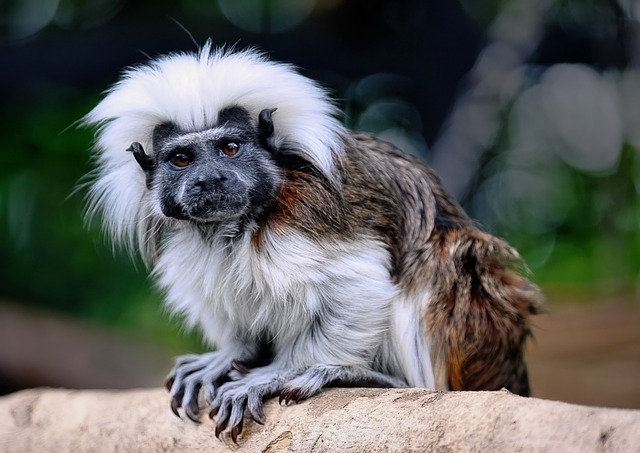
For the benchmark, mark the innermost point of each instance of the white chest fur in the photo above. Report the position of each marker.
(286, 286)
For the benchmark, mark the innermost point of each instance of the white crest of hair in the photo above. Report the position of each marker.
(189, 90)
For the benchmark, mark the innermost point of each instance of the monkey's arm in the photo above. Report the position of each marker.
(314, 378)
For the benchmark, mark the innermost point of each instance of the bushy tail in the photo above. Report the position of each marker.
(479, 317)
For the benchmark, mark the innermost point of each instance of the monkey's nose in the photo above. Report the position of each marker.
(208, 183)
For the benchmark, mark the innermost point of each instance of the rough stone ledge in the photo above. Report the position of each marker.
(338, 420)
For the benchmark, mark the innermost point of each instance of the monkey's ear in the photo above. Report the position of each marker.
(265, 129)
(145, 161)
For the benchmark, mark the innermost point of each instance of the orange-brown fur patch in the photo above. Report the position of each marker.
(479, 315)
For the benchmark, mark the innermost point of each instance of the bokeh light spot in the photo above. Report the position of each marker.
(266, 16)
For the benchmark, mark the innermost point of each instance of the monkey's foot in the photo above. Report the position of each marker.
(318, 376)
(193, 372)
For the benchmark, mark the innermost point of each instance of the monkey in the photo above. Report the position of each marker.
(308, 255)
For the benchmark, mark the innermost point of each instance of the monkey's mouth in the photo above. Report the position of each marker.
(215, 207)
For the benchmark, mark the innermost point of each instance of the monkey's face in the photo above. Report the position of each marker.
(220, 174)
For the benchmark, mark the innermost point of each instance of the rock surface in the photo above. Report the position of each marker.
(338, 420)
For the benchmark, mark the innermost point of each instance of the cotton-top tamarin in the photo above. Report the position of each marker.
(307, 254)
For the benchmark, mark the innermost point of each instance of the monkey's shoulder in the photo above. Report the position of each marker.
(368, 158)
(366, 148)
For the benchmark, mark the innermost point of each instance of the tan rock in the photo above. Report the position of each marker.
(338, 420)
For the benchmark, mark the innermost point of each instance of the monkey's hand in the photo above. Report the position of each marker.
(235, 397)
(193, 372)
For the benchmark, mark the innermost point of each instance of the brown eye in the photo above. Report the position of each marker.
(180, 160)
(231, 149)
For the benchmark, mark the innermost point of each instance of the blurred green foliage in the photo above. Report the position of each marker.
(596, 246)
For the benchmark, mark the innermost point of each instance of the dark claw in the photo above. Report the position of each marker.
(296, 396)
(240, 367)
(257, 415)
(175, 404)
(192, 411)
(286, 397)
(235, 432)
(220, 427)
(214, 411)
(289, 396)
(169, 383)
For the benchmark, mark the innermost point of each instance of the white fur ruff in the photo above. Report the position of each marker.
(282, 288)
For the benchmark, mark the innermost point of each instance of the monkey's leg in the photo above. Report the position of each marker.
(318, 376)
(192, 372)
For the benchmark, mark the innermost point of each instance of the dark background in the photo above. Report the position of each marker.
(528, 110)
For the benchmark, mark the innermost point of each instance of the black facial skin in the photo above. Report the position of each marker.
(224, 174)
